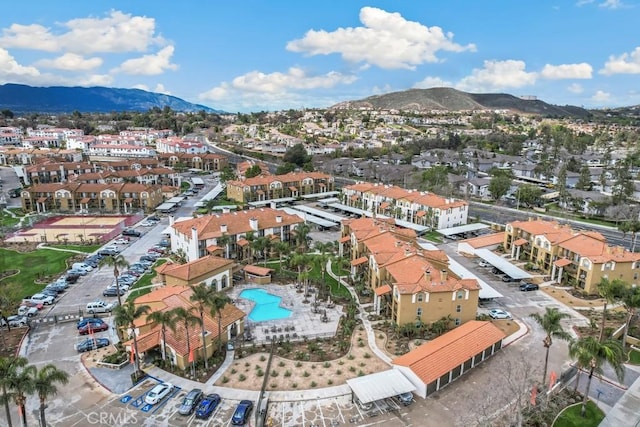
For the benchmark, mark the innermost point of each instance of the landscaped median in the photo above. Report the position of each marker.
(144, 284)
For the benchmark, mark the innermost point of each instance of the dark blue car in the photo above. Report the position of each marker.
(93, 320)
(92, 344)
(242, 412)
(207, 406)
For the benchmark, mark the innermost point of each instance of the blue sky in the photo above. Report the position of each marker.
(250, 55)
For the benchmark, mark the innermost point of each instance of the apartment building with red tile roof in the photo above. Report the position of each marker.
(208, 162)
(215, 271)
(437, 363)
(578, 258)
(418, 207)
(227, 230)
(267, 187)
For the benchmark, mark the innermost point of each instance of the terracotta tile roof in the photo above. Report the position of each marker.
(258, 271)
(396, 193)
(265, 180)
(381, 290)
(409, 274)
(563, 262)
(520, 242)
(359, 261)
(196, 268)
(345, 239)
(437, 357)
(486, 240)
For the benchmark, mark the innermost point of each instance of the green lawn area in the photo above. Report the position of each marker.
(570, 417)
(433, 236)
(17, 211)
(634, 357)
(337, 289)
(7, 220)
(82, 248)
(31, 265)
(145, 281)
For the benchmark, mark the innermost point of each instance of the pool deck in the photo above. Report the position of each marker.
(302, 322)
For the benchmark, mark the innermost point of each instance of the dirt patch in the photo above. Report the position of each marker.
(566, 298)
(507, 326)
(10, 340)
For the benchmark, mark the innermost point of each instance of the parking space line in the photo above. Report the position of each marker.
(302, 410)
(339, 410)
(321, 414)
(282, 405)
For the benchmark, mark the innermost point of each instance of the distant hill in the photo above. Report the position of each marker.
(58, 99)
(442, 98)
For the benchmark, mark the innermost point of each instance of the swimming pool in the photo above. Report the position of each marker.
(267, 305)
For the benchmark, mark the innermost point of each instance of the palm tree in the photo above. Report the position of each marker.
(126, 315)
(9, 367)
(201, 296)
(550, 323)
(21, 384)
(224, 241)
(118, 262)
(301, 232)
(186, 318)
(45, 385)
(631, 301)
(165, 319)
(593, 354)
(217, 303)
(281, 248)
(609, 290)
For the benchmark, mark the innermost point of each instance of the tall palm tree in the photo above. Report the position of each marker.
(631, 301)
(592, 354)
(126, 315)
(9, 367)
(201, 296)
(550, 323)
(224, 241)
(301, 232)
(217, 303)
(609, 290)
(45, 386)
(119, 263)
(165, 319)
(186, 318)
(21, 384)
(281, 248)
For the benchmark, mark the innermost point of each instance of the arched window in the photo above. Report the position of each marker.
(223, 282)
(214, 284)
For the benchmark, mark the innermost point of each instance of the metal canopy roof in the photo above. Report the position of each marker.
(406, 224)
(166, 206)
(486, 291)
(266, 202)
(317, 212)
(309, 218)
(214, 193)
(502, 264)
(462, 229)
(317, 195)
(176, 199)
(381, 385)
(197, 181)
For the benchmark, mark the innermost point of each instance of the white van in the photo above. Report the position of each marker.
(99, 307)
(81, 266)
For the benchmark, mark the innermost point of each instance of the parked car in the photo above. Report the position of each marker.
(112, 248)
(42, 298)
(207, 406)
(92, 344)
(151, 257)
(90, 328)
(157, 393)
(75, 272)
(14, 321)
(526, 286)
(99, 307)
(93, 320)
(29, 303)
(497, 313)
(23, 310)
(123, 286)
(364, 406)
(112, 292)
(507, 278)
(484, 264)
(147, 224)
(131, 232)
(121, 241)
(71, 277)
(496, 270)
(242, 412)
(164, 243)
(190, 402)
(405, 398)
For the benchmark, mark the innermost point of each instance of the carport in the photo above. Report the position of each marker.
(503, 265)
(381, 385)
(448, 232)
(166, 207)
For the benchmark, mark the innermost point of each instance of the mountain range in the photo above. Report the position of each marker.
(21, 99)
(448, 99)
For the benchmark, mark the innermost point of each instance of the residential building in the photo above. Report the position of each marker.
(214, 271)
(209, 162)
(577, 258)
(197, 237)
(295, 184)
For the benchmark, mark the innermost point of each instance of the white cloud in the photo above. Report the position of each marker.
(295, 79)
(429, 82)
(11, 71)
(71, 62)
(601, 96)
(611, 4)
(386, 39)
(575, 88)
(627, 63)
(497, 75)
(117, 32)
(149, 65)
(161, 89)
(90, 80)
(567, 71)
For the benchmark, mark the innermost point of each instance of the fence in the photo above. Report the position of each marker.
(59, 318)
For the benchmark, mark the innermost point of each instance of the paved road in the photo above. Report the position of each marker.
(9, 181)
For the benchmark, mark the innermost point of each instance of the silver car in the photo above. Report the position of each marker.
(190, 402)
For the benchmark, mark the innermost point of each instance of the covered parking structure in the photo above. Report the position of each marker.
(379, 386)
(320, 195)
(320, 213)
(261, 203)
(462, 229)
(320, 222)
(503, 265)
(166, 207)
(419, 229)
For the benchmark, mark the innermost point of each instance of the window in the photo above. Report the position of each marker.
(223, 282)
(420, 297)
(635, 276)
(458, 308)
(460, 295)
(457, 321)
(419, 312)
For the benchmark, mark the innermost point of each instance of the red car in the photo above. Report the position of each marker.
(90, 328)
(37, 305)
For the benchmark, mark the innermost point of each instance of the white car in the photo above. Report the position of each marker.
(14, 321)
(484, 264)
(499, 314)
(157, 393)
(113, 248)
(147, 224)
(100, 307)
(42, 299)
(23, 310)
(121, 241)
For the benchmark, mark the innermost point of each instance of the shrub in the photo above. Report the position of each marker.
(242, 377)
(260, 373)
(294, 385)
(352, 368)
(233, 370)
(350, 356)
(362, 364)
(313, 366)
(281, 364)
(313, 384)
(326, 365)
(225, 380)
(360, 373)
(298, 364)
(341, 362)
(366, 355)
(339, 372)
(305, 374)
(262, 358)
(330, 382)
(274, 373)
(274, 385)
(247, 364)
(287, 373)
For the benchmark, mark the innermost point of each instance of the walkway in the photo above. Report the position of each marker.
(44, 246)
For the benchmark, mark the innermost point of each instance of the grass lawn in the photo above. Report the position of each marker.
(433, 236)
(82, 248)
(7, 220)
(143, 285)
(634, 357)
(31, 265)
(570, 417)
(17, 211)
(337, 289)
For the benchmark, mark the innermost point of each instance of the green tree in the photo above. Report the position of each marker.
(499, 186)
(186, 318)
(631, 301)
(217, 303)
(126, 316)
(301, 233)
(591, 354)
(297, 155)
(253, 171)
(9, 368)
(282, 249)
(44, 382)
(436, 178)
(166, 319)
(610, 292)
(118, 262)
(201, 296)
(550, 322)
(227, 174)
(584, 180)
(285, 169)
(529, 195)
(224, 241)
(21, 384)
